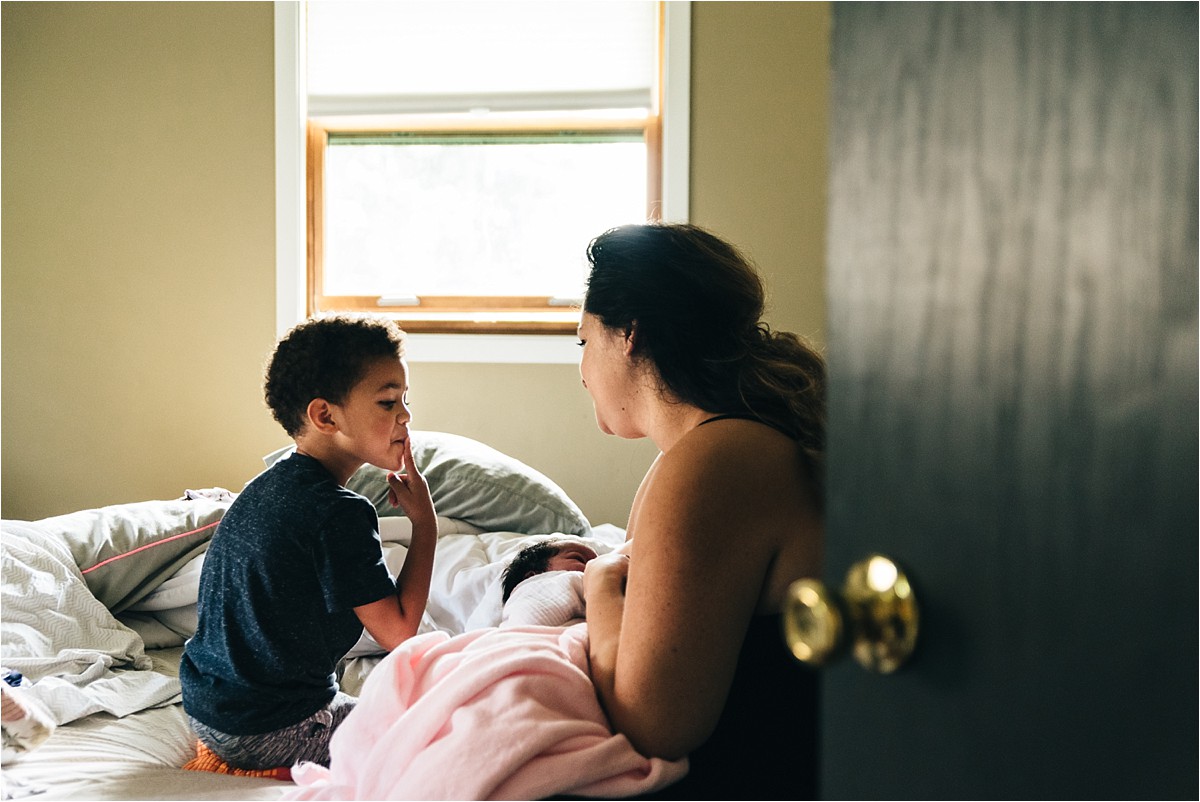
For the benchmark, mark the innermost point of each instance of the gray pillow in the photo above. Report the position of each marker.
(473, 482)
(124, 551)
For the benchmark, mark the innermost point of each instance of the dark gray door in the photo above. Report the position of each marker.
(1013, 402)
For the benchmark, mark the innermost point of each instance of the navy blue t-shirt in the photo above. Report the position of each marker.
(292, 557)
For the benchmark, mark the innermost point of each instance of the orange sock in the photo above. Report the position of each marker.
(205, 760)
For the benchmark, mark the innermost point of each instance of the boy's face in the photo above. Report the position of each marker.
(373, 420)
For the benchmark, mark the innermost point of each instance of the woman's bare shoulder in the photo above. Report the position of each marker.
(742, 452)
(740, 491)
(726, 461)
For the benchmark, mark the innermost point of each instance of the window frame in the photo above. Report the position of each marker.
(449, 313)
(471, 314)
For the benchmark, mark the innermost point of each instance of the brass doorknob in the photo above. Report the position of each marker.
(875, 617)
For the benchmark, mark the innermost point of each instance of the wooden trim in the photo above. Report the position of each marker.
(466, 326)
(447, 314)
(654, 137)
(654, 186)
(316, 140)
(454, 303)
(495, 301)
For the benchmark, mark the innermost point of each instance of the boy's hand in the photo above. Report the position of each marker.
(408, 490)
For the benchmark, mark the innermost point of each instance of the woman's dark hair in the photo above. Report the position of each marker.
(695, 305)
(325, 357)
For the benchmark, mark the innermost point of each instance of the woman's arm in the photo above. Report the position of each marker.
(604, 597)
(663, 653)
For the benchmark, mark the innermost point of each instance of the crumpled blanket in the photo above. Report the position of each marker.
(490, 714)
(80, 659)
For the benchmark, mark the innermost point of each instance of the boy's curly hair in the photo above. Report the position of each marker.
(325, 357)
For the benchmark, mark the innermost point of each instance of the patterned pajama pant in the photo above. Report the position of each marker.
(307, 740)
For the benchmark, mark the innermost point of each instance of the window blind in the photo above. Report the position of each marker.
(445, 56)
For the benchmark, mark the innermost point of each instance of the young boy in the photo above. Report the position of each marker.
(543, 585)
(295, 570)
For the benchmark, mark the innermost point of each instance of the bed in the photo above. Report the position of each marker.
(97, 605)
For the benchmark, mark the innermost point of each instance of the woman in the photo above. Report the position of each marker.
(686, 648)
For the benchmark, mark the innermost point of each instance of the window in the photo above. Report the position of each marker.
(462, 154)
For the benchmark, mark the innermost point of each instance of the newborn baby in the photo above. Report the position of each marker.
(543, 585)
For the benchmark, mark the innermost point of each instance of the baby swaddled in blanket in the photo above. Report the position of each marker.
(543, 585)
(506, 712)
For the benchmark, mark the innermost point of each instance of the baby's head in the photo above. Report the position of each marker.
(544, 556)
(326, 357)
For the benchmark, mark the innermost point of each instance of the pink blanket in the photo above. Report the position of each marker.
(490, 714)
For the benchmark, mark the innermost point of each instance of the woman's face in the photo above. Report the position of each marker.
(607, 372)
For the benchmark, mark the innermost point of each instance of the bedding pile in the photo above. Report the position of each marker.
(64, 577)
(98, 604)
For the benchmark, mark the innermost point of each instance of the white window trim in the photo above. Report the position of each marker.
(290, 262)
(290, 113)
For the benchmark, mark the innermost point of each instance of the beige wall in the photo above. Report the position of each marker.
(138, 248)
(760, 82)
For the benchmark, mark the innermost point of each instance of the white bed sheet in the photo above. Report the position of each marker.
(136, 757)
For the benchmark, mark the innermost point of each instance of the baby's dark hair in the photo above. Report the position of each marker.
(325, 357)
(530, 561)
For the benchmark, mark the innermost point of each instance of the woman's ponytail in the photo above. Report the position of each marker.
(782, 382)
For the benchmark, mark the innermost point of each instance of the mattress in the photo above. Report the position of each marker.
(132, 757)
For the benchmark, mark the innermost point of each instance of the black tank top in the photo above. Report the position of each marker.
(765, 743)
(735, 416)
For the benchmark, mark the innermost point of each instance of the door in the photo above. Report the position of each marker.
(1013, 398)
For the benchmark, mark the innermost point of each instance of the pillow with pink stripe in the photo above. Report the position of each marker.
(124, 551)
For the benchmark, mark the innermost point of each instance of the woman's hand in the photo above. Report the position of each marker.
(408, 490)
(606, 574)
